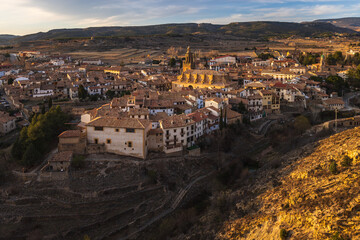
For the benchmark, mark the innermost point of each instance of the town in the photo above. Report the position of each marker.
(169, 107)
(187, 120)
(59, 114)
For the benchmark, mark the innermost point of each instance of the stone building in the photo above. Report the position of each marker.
(178, 131)
(194, 78)
(124, 136)
(60, 162)
(7, 123)
(72, 140)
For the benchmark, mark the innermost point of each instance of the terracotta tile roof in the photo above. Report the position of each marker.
(158, 116)
(62, 157)
(215, 99)
(256, 96)
(230, 114)
(197, 116)
(70, 134)
(138, 111)
(155, 131)
(119, 122)
(266, 92)
(176, 121)
(255, 85)
(5, 117)
(333, 101)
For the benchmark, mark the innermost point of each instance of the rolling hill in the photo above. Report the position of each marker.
(350, 23)
(240, 29)
(5, 38)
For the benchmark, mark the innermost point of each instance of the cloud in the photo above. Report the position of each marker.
(27, 16)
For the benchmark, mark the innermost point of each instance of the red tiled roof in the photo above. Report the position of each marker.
(70, 134)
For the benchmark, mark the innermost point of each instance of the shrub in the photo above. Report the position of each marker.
(336, 236)
(31, 156)
(153, 175)
(78, 162)
(283, 234)
(333, 167)
(347, 161)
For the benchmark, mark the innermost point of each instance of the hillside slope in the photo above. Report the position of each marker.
(351, 23)
(243, 29)
(304, 198)
(5, 38)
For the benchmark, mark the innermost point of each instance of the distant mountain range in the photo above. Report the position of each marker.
(5, 38)
(350, 23)
(252, 30)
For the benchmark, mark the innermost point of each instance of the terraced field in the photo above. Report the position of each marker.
(111, 198)
(118, 56)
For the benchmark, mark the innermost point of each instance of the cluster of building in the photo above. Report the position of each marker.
(165, 109)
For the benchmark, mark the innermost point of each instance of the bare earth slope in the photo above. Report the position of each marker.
(304, 198)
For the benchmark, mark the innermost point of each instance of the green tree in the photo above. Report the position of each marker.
(354, 77)
(336, 58)
(7, 55)
(301, 124)
(308, 58)
(110, 94)
(347, 161)
(43, 109)
(333, 167)
(283, 234)
(82, 92)
(265, 56)
(10, 81)
(31, 156)
(50, 102)
(94, 98)
(43, 129)
(78, 162)
(316, 78)
(172, 62)
(221, 123)
(241, 108)
(336, 84)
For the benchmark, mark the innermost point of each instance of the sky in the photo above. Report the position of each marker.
(22, 17)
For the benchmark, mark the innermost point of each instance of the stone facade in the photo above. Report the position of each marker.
(120, 136)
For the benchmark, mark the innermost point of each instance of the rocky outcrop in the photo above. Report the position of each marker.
(315, 196)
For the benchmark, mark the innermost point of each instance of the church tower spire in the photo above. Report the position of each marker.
(189, 60)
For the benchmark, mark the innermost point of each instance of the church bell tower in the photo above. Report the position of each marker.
(188, 63)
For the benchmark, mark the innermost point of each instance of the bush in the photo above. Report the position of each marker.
(78, 162)
(336, 236)
(301, 124)
(31, 156)
(153, 175)
(333, 167)
(42, 131)
(283, 234)
(347, 161)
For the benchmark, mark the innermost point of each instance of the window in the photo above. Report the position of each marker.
(116, 130)
(98, 128)
(130, 130)
(108, 141)
(129, 144)
(96, 141)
